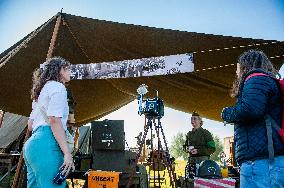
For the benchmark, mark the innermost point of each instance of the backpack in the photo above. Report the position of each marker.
(270, 122)
(280, 82)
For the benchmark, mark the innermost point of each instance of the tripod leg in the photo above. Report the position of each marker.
(159, 152)
(146, 128)
(169, 165)
(153, 162)
(165, 160)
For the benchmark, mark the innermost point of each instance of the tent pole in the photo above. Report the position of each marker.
(23, 44)
(54, 37)
(2, 113)
(49, 55)
(20, 163)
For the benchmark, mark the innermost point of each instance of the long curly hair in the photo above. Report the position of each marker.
(50, 71)
(248, 61)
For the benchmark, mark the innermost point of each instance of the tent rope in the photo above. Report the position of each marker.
(236, 47)
(215, 67)
(76, 40)
(232, 64)
(81, 47)
(276, 56)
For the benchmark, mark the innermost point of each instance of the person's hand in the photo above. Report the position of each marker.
(68, 164)
(193, 151)
(226, 114)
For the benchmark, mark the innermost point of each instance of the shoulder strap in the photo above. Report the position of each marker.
(256, 74)
(273, 123)
(43, 113)
(268, 122)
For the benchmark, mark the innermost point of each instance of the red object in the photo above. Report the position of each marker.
(214, 183)
(281, 84)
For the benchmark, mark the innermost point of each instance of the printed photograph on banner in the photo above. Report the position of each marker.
(152, 66)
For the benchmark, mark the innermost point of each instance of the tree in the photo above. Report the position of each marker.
(176, 148)
(219, 148)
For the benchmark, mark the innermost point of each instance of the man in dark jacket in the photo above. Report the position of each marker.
(258, 101)
(199, 142)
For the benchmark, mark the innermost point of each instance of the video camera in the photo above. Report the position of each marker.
(149, 107)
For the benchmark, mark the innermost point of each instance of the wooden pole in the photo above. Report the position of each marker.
(20, 163)
(54, 37)
(2, 113)
(49, 55)
(23, 44)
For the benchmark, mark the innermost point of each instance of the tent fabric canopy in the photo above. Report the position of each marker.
(12, 127)
(83, 40)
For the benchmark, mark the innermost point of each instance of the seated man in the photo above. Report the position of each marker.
(199, 142)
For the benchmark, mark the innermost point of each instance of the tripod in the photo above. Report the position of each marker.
(154, 122)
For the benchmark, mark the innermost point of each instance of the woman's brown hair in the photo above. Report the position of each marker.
(248, 61)
(50, 70)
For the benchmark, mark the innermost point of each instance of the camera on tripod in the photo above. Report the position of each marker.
(149, 107)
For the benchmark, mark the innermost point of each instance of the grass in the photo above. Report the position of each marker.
(78, 183)
(179, 170)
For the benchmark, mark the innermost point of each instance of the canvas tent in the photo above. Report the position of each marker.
(12, 129)
(83, 40)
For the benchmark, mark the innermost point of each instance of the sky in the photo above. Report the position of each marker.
(258, 19)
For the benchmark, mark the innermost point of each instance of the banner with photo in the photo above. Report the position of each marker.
(152, 66)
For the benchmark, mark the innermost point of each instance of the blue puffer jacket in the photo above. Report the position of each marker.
(258, 96)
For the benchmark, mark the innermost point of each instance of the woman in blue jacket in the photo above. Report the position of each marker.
(258, 98)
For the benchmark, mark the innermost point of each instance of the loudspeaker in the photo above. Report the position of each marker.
(119, 161)
(108, 135)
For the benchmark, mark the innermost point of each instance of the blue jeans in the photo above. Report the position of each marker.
(43, 158)
(259, 173)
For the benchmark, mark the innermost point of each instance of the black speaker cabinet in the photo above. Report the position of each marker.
(108, 135)
(119, 161)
